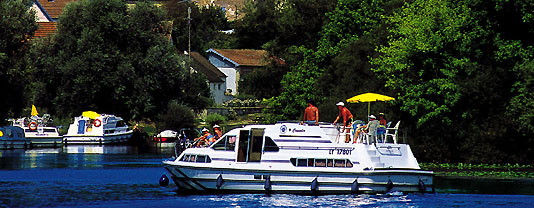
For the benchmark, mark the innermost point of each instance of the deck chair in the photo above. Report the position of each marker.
(382, 133)
(392, 132)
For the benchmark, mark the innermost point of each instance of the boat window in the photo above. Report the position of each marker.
(120, 123)
(339, 163)
(29, 130)
(9, 133)
(201, 158)
(321, 162)
(196, 158)
(293, 161)
(193, 158)
(49, 130)
(185, 158)
(270, 146)
(349, 164)
(302, 162)
(227, 143)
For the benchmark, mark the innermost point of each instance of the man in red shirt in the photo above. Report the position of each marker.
(347, 119)
(311, 114)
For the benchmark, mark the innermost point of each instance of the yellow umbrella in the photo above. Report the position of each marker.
(368, 98)
(90, 114)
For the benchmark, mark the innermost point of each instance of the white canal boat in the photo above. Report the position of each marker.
(293, 158)
(94, 128)
(38, 130)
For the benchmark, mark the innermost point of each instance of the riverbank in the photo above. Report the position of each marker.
(504, 171)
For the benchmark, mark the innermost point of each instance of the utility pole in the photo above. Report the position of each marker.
(189, 30)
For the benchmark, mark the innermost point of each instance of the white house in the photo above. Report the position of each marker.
(216, 79)
(236, 62)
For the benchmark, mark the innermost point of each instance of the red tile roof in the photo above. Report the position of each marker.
(54, 8)
(45, 29)
(245, 57)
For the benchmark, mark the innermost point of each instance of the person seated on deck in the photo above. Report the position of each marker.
(347, 119)
(204, 140)
(217, 131)
(311, 114)
(369, 128)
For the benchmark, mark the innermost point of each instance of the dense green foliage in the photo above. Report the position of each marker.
(263, 82)
(481, 170)
(17, 24)
(176, 116)
(215, 118)
(206, 24)
(456, 73)
(108, 58)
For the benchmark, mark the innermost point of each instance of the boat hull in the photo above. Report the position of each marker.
(45, 141)
(14, 144)
(97, 139)
(203, 180)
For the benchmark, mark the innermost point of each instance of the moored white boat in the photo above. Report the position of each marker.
(12, 137)
(93, 128)
(292, 158)
(38, 130)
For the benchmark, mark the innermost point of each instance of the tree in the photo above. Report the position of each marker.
(176, 116)
(447, 60)
(17, 25)
(279, 26)
(263, 82)
(347, 23)
(108, 58)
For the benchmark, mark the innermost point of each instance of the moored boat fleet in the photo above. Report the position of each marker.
(89, 128)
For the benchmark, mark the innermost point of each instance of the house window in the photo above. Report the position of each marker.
(218, 86)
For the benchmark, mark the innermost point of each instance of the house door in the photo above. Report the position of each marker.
(81, 126)
(250, 145)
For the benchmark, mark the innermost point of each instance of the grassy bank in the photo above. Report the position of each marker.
(480, 170)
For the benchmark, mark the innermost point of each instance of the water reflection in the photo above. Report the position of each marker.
(81, 156)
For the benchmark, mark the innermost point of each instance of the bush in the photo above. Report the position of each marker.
(215, 118)
(232, 115)
(176, 117)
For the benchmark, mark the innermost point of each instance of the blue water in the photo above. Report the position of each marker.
(121, 176)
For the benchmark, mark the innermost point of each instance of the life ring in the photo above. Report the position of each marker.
(32, 125)
(97, 122)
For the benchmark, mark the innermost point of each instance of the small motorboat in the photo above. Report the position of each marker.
(166, 136)
(94, 128)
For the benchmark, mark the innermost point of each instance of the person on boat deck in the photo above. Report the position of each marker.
(347, 119)
(204, 140)
(217, 131)
(311, 114)
(370, 128)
